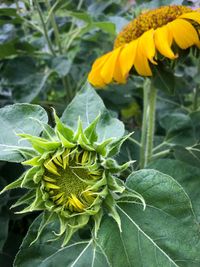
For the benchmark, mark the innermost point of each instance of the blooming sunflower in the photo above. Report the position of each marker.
(72, 177)
(158, 32)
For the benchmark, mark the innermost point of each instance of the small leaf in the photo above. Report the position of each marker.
(115, 146)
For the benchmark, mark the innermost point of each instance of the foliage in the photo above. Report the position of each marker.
(46, 51)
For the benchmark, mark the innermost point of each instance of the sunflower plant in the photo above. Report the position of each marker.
(83, 187)
(90, 206)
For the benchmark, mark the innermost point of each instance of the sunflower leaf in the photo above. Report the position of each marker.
(14, 119)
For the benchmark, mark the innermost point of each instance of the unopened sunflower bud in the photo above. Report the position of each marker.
(71, 178)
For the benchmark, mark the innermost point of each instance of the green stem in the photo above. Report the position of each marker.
(44, 28)
(134, 141)
(195, 100)
(144, 124)
(55, 28)
(164, 143)
(58, 43)
(151, 123)
(161, 154)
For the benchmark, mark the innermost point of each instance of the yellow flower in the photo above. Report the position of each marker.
(142, 40)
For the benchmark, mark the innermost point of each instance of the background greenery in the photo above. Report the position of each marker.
(46, 50)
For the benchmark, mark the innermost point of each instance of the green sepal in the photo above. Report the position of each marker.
(47, 132)
(98, 184)
(40, 144)
(102, 147)
(31, 177)
(115, 184)
(38, 175)
(37, 204)
(26, 152)
(47, 217)
(65, 142)
(62, 129)
(25, 199)
(97, 221)
(90, 131)
(83, 145)
(81, 138)
(33, 162)
(64, 133)
(73, 225)
(112, 211)
(130, 194)
(111, 165)
(114, 147)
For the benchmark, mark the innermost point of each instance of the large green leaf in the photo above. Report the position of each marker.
(190, 155)
(168, 221)
(88, 105)
(165, 234)
(26, 81)
(15, 119)
(175, 122)
(188, 176)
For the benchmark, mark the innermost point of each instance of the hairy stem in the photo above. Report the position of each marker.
(44, 28)
(151, 123)
(60, 50)
(144, 124)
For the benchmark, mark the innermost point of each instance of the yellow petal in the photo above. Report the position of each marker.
(49, 179)
(148, 45)
(145, 51)
(118, 75)
(94, 76)
(51, 167)
(127, 57)
(60, 201)
(183, 33)
(57, 161)
(192, 15)
(108, 69)
(76, 203)
(56, 197)
(163, 41)
(100, 61)
(51, 186)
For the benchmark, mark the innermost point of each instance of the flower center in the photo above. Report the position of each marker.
(152, 19)
(68, 178)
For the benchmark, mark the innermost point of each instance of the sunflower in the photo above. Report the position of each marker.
(154, 34)
(72, 177)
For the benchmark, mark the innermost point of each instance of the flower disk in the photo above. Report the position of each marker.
(70, 177)
(156, 32)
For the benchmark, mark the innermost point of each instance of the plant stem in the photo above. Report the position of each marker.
(151, 123)
(44, 28)
(161, 154)
(164, 143)
(195, 99)
(58, 43)
(134, 141)
(144, 124)
(55, 28)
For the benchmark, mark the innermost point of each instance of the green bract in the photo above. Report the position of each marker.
(72, 177)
